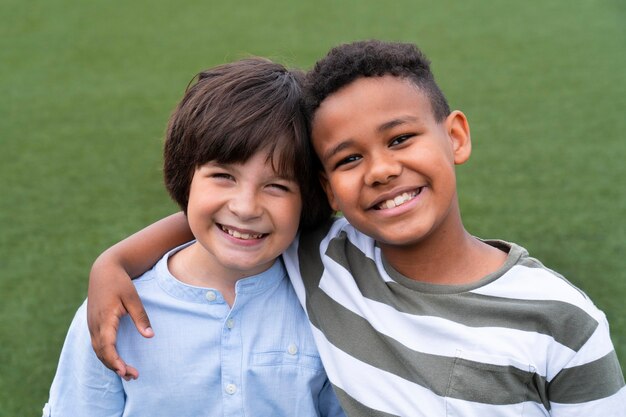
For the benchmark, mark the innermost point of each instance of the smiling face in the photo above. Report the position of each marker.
(243, 216)
(388, 164)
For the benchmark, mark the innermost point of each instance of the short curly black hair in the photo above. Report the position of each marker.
(373, 58)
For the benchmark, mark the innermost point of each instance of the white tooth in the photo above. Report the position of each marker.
(398, 200)
(391, 204)
(236, 234)
(245, 236)
(406, 196)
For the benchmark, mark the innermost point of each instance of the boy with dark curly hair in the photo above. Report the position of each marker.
(414, 316)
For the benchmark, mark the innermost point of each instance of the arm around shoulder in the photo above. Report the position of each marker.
(111, 293)
(82, 385)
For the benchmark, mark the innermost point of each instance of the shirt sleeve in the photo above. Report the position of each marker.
(83, 386)
(592, 383)
(303, 259)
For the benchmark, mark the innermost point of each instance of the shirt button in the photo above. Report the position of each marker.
(231, 389)
(292, 349)
(230, 323)
(211, 296)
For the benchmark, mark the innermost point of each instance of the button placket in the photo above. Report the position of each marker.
(231, 368)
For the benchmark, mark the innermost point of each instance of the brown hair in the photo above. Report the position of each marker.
(232, 112)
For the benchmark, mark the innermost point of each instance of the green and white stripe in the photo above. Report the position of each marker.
(521, 342)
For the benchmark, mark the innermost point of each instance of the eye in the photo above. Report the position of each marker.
(399, 140)
(347, 160)
(280, 187)
(222, 176)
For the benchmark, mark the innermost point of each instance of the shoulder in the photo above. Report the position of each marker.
(527, 278)
(334, 242)
(78, 365)
(158, 272)
(317, 250)
(338, 229)
(79, 322)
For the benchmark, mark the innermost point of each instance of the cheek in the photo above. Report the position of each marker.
(289, 216)
(200, 202)
(343, 188)
(325, 184)
(330, 196)
(328, 193)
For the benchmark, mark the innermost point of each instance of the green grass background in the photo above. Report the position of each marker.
(86, 89)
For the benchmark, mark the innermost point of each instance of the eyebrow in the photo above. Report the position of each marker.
(336, 149)
(396, 122)
(382, 128)
(275, 176)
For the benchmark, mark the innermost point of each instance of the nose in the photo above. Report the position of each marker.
(383, 168)
(244, 203)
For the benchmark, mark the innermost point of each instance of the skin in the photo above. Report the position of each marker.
(389, 167)
(378, 141)
(249, 198)
(130, 257)
(243, 216)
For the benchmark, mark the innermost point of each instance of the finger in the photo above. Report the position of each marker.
(138, 314)
(107, 353)
(103, 340)
(109, 357)
(131, 373)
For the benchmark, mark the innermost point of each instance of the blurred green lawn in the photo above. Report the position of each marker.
(86, 89)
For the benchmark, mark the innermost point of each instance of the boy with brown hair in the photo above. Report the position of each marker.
(231, 337)
(414, 316)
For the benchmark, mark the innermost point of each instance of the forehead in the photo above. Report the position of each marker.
(366, 106)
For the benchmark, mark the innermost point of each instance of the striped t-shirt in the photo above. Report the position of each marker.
(522, 341)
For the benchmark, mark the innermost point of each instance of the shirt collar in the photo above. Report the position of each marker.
(249, 285)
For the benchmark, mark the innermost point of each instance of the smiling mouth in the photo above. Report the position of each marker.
(239, 235)
(398, 200)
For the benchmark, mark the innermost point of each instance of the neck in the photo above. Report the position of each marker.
(450, 257)
(191, 266)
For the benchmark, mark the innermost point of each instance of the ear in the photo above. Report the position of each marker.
(328, 190)
(459, 133)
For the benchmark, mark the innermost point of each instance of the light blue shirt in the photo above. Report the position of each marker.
(257, 358)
